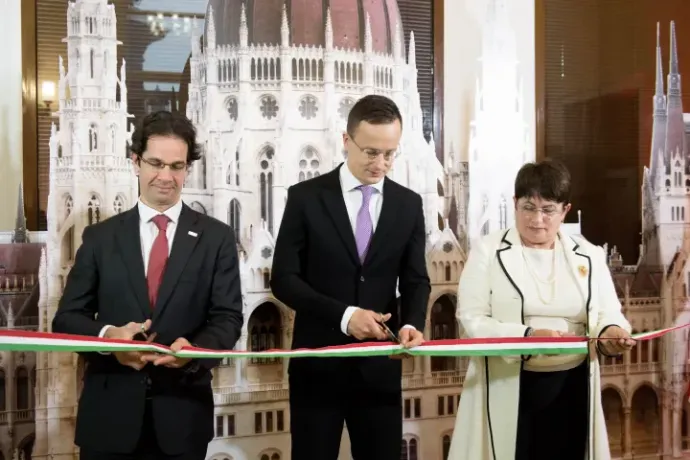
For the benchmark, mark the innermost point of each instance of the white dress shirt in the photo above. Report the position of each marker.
(353, 201)
(148, 230)
(148, 233)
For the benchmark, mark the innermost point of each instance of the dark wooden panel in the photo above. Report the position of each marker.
(51, 27)
(30, 117)
(595, 82)
(418, 16)
(439, 38)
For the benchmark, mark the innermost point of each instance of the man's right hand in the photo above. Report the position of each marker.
(133, 359)
(366, 324)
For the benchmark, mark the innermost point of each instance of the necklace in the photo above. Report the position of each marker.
(550, 280)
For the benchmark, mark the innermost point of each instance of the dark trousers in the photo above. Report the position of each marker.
(553, 416)
(147, 449)
(318, 410)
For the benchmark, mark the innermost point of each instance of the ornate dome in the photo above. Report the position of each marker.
(307, 22)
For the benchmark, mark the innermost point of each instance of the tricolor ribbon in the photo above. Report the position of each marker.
(15, 340)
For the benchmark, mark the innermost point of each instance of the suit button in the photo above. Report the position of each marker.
(361, 278)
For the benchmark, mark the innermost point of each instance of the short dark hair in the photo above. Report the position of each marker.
(164, 123)
(547, 179)
(374, 109)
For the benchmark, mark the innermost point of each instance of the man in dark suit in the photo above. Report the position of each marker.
(159, 272)
(345, 240)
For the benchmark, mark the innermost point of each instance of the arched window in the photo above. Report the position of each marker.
(409, 449)
(69, 204)
(443, 326)
(503, 214)
(266, 186)
(234, 218)
(265, 328)
(445, 445)
(118, 204)
(237, 166)
(94, 210)
(273, 456)
(113, 140)
(309, 164)
(93, 138)
(3, 391)
(68, 242)
(22, 388)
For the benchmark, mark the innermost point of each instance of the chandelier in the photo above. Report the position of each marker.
(161, 24)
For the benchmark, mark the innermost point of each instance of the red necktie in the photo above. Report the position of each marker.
(158, 258)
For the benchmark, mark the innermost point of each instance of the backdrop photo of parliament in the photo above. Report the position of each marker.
(268, 85)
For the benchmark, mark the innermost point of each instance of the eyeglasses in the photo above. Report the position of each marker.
(155, 163)
(547, 211)
(373, 154)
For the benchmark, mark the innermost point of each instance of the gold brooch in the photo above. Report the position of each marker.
(583, 270)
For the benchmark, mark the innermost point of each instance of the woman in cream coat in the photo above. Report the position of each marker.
(532, 280)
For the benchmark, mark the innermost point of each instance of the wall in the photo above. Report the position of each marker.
(10, 111)
(462, 47)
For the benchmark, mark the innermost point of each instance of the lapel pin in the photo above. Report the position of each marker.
(583, 270)
(192, 234)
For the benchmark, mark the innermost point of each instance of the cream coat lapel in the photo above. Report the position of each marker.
(580, 263)
(510, 258)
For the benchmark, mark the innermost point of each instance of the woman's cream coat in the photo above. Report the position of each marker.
(490, 305)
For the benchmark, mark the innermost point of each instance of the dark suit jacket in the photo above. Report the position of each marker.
(199, 299)
(317, 272)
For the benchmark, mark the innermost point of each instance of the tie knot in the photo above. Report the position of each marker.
(161, 221)
(366, 190)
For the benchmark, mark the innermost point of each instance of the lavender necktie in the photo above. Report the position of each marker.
(365, 227)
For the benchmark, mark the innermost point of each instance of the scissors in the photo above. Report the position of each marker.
(388, 331)
(143, 336)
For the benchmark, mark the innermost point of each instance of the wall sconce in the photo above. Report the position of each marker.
(48, 92)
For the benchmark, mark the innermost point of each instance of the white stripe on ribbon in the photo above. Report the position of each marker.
(36, 341)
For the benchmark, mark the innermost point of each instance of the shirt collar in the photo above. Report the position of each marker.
(146, 213)
(349, 182)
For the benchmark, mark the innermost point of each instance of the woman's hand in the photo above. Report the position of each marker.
(545, 333)
(550, 333)
(615, 340)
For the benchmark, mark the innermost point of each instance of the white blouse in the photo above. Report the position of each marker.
(552, 301)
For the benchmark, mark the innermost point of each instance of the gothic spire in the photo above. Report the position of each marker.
(19, 235)
(656, 154)
(659, 97)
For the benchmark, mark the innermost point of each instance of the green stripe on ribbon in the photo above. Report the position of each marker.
(13, 340)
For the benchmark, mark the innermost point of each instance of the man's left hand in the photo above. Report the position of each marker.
(171, 361)
(615, 340)
(410, 337)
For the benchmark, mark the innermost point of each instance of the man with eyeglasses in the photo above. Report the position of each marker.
(158, 272)
(345, 240)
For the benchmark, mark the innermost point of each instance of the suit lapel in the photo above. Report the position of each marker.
(186, 238)
(129, 243)
(332, 196)
(387, 219)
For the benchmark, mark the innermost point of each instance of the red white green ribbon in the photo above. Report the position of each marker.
(14, 340)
